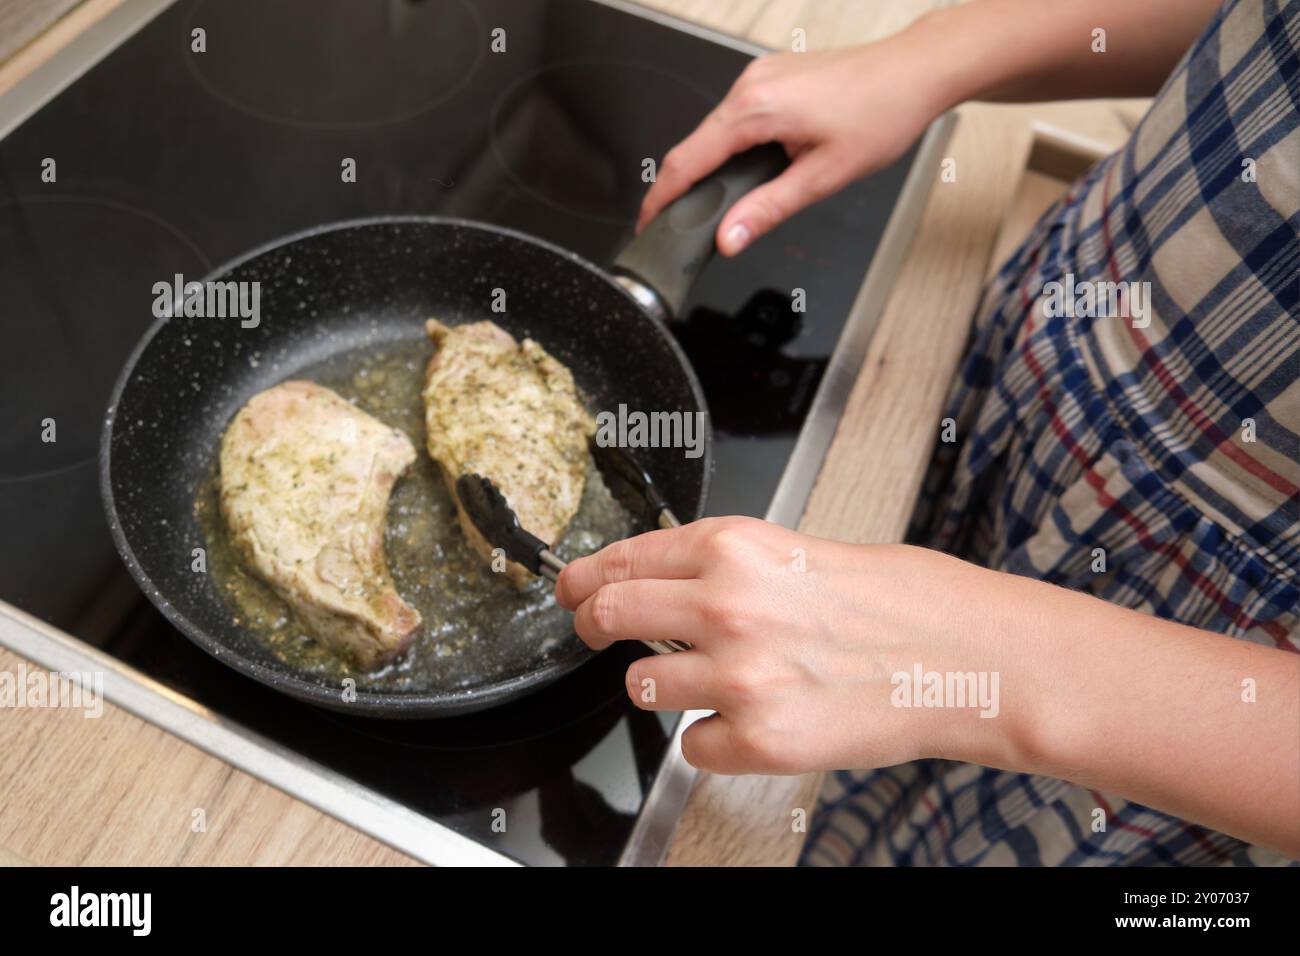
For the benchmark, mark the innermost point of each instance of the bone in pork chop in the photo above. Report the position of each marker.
(305, 479)
(510, 412)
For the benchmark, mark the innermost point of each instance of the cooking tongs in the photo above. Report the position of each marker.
(497, 522)
(630, 484)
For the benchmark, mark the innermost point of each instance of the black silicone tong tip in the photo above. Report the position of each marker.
(497, 522)
(627, 481)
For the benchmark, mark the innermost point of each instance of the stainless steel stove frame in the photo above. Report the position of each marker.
(330, 792)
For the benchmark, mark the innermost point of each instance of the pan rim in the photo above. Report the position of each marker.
(366, 702)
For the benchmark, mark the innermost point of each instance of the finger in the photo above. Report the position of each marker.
(681, 681)
(646, 609)
(710, 744)
(721, 135)
(809, 178)
(663, 554)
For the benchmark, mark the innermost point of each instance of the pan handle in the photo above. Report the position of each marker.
(659, 266)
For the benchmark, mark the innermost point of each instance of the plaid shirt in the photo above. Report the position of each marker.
(1170, 440)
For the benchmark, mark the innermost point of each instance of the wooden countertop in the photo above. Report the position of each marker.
(118, 790)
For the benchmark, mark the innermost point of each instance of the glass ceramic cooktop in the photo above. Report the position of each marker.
(170, 161)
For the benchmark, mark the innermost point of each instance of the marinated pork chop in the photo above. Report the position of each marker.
(305, 479)
(509, 412)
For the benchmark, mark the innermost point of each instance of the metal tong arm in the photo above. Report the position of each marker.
(499, 525)
(630, 484)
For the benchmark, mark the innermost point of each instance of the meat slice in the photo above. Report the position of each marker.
(305, 479)
(510, 412)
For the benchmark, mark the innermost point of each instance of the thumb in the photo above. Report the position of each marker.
(809, 178)
(711, 744)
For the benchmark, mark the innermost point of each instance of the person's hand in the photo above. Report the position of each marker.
(795, 638)
(799, 643)
(840, 114)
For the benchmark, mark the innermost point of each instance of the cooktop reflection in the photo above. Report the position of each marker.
(174, 161)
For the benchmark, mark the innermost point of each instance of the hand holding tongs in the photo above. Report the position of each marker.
(497, 522)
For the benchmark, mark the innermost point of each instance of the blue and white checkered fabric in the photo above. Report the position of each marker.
(1171, 443)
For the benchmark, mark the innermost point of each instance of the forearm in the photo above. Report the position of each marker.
(1031, 50)
(1192, 723)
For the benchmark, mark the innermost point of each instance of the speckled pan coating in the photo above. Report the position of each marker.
(329, 290)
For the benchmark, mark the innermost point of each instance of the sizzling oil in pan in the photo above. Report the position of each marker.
(476, 626)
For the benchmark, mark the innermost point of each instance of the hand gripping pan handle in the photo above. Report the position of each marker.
(676, 246)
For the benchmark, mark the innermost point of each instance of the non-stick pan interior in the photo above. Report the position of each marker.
(343, 288)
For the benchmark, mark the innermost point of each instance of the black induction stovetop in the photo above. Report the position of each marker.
(171, 161)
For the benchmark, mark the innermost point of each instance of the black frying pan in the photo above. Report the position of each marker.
(343, 289)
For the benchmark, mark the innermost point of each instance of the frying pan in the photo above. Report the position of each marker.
(346, 287)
